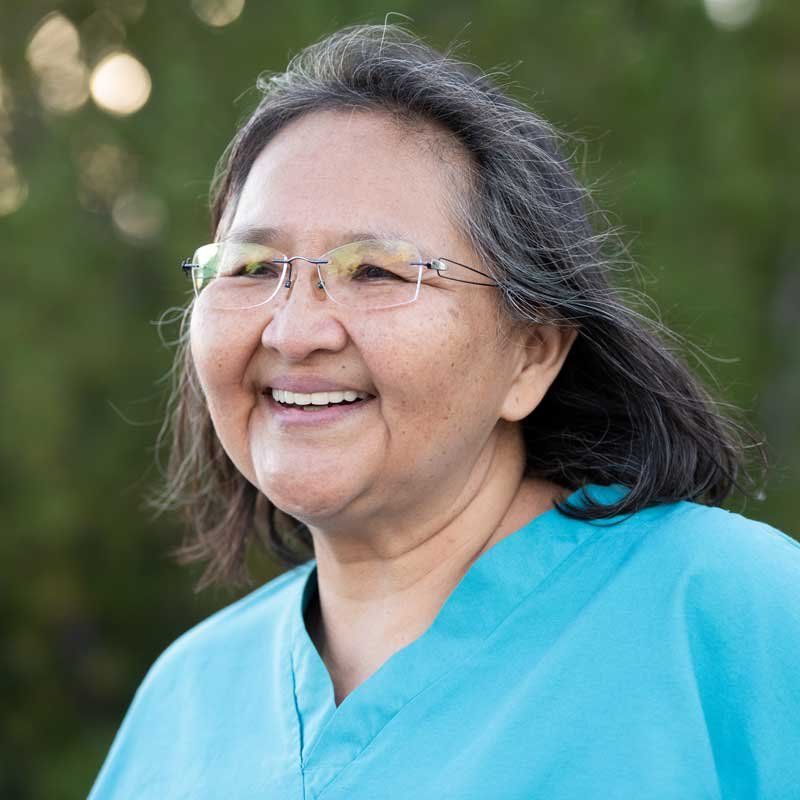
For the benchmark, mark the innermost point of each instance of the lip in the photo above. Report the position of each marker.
(293, 415)
(307, 384)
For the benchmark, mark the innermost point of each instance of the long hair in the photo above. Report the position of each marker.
(625, 407)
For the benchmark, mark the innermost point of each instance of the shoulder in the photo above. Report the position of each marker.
(715, 543)
(686, 542)
(717, 570)
(733, 612)
(734, 582)
(266, 601)
(205, 691)
(262, 610)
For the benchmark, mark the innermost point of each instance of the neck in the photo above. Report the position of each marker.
(375, 602)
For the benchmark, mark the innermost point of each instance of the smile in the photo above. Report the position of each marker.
(316, 408)
(311, 400)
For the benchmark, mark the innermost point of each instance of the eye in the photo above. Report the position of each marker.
(260, 269)
(367, 272)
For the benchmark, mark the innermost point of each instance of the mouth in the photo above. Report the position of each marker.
(292, 406)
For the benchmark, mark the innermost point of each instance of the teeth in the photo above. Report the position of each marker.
(316, 398)
(323, 398)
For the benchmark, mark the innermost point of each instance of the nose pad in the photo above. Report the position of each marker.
(321, 283)
(289, 282)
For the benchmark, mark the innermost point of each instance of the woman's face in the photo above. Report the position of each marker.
(436, 374)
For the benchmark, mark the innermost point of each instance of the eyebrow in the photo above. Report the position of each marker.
(264, 235)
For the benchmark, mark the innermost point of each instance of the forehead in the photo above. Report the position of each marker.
(336, 171)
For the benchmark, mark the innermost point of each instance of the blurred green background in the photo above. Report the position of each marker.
(112, 115)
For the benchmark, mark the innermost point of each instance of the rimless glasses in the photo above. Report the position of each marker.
(368, 274)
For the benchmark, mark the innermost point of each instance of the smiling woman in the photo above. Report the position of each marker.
(397, 449)
(492, 480)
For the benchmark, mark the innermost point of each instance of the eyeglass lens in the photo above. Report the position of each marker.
(367, 274)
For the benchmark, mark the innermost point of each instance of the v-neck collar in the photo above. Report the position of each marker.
(330, 737)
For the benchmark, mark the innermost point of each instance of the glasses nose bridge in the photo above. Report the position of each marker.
(289, 280)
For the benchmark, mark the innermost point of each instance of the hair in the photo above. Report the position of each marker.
(625, 407)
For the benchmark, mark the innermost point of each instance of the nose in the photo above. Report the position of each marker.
(302, 318)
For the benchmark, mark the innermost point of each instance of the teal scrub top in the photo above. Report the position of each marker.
(649, 656)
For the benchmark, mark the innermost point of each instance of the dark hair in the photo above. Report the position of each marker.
(625, 408)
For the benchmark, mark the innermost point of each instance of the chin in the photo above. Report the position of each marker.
(310, 507)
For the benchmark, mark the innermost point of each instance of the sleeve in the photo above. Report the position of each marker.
(744, 622)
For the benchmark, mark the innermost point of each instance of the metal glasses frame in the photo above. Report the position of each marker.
(438, 264)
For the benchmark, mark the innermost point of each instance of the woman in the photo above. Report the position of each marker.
(407, 368)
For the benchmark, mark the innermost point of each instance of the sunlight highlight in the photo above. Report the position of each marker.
(731, 14)
(54, 55)
(218, 13)
(13, 188)
(139, 216)
(120, 84)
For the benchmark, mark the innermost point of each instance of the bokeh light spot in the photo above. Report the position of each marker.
(129, 10)
(54, 41)
(120, 84)
(105, 170)
(6, 106)
(139, 216)
(218, 13)
(54, 54)
(13, 189)
(731, 14)
(64, 90)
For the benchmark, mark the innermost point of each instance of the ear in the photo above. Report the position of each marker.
(540, 354)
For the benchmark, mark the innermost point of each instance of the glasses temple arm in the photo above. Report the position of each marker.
(431, 265)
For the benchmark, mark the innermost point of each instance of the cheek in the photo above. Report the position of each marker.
(219, 354)
(220, 360)
(436, 372)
